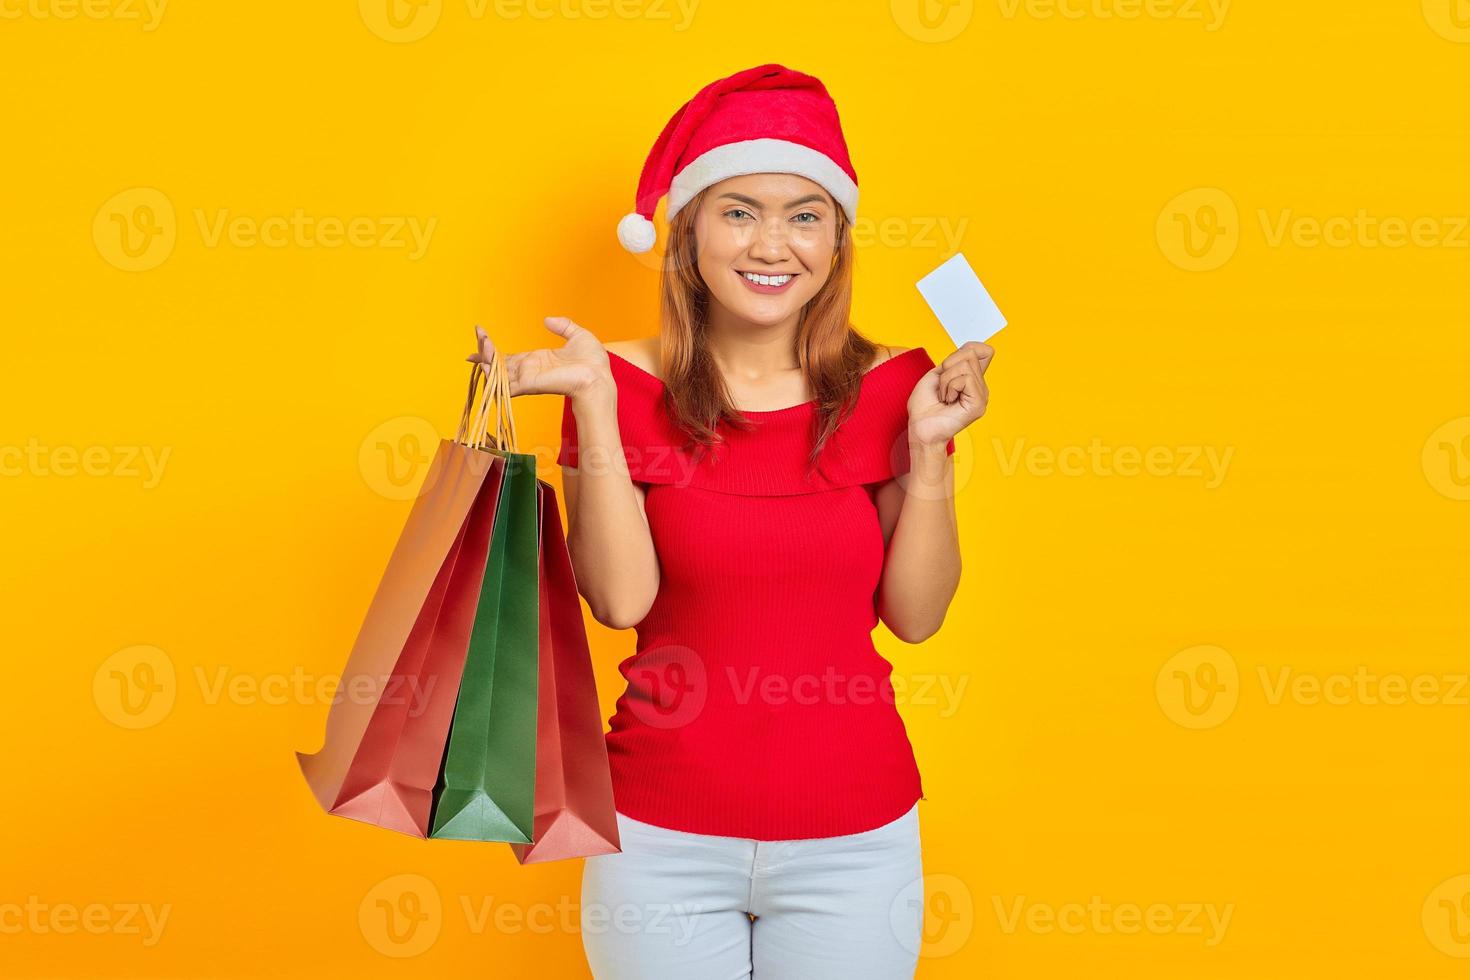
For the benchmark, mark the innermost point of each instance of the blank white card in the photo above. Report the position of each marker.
(960, 301)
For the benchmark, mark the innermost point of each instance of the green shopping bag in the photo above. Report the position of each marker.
(487, 784)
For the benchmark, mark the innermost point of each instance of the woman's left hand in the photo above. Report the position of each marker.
(951, 395)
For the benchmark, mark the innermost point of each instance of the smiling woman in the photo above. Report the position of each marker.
(760, 250)
(733, 493)
(761, 230)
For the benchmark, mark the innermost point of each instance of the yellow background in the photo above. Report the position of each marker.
(1121, 740)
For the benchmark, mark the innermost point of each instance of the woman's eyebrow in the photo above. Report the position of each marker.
(809, 199)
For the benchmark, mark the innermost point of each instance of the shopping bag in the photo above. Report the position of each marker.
(391, 783)
(359, 772)
(574, 815)
(486, 788)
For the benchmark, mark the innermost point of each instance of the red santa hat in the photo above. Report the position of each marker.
(768, 119)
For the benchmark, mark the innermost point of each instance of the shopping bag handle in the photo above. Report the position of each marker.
(483, 403)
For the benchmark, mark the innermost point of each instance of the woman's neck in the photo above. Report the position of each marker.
(750, 352)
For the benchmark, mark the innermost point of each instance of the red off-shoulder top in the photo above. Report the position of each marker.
(756, 704)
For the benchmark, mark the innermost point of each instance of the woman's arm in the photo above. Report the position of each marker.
(921, 570)
(921, 566)
(607, 530)
(607, 527)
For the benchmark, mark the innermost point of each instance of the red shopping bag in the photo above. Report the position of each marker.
(386, 729)
(392, 779)
(574, 799)
(384, 755)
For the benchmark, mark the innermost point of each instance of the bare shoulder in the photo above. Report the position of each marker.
(887, 353)
(641, 352)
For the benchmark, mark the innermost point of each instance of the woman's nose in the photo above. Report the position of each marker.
(770, 238)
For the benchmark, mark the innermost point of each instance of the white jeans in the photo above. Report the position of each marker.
(677, 906)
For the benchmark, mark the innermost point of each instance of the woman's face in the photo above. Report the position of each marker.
(772, 225)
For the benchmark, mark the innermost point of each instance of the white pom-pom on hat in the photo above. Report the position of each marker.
(637, 233)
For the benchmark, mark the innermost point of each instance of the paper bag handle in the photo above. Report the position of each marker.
(483, 404)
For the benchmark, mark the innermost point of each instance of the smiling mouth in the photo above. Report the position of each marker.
(767, 283)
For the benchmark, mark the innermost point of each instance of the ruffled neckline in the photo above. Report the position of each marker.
(757, 414)
(772, 456)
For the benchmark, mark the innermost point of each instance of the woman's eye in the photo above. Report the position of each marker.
(734, 212)
(807, 214)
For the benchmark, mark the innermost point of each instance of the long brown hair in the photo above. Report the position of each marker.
(832, 354)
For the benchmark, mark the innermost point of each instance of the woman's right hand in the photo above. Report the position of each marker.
(577, 368)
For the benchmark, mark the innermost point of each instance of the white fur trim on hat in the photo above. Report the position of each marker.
(761, 156)
(637, 233)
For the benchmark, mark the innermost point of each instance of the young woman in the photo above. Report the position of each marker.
(752, 490)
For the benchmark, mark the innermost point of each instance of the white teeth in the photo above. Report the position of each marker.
(767, 280)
